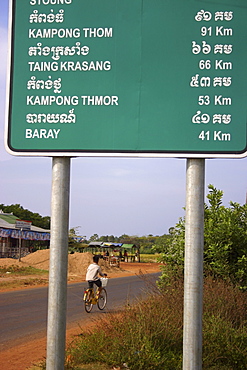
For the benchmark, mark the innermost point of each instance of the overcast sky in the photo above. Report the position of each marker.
(110, 195)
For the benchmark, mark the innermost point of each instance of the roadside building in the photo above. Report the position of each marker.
(114, 253)
(18, 237)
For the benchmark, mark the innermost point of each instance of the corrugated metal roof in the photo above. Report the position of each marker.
(112, 245)
(95, 244)
(128, 246)
(7, 221)
(109, 244)
(8, 217)
(5, 224)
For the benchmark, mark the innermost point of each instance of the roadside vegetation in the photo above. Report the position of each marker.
(13, 277)
(149, 258)
(21, 270)
(225, 242)
(148, 336)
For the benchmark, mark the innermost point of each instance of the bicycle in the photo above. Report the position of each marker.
(92, 297)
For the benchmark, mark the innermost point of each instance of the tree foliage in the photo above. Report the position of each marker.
(76, 241)
(25, 214)
(225, 240)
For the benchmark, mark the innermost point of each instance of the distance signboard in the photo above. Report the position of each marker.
(128, 78)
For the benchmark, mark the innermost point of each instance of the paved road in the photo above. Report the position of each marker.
(24, 312)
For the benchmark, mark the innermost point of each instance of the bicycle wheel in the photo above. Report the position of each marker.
(102, 299)
(88, 302)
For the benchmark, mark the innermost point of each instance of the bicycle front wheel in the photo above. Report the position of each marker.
(102, 299)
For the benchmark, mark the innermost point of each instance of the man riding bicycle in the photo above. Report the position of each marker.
(92, 273)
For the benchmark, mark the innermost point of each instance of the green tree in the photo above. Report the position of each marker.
(94, 238)
(146, 243)
(76, 240)
(25, 214)
(225, 241)
(161, 243)
(225, 238)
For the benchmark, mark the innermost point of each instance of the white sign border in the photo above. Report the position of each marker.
(95, 153)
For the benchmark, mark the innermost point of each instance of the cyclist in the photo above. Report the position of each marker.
(93, 271)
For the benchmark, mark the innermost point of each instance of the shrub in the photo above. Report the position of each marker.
(225, 324)
(148, 336)
(225, 242)
(21, 270)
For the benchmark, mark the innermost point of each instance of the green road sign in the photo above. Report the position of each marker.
(130, 78)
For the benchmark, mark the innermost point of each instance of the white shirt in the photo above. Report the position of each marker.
(92, 272)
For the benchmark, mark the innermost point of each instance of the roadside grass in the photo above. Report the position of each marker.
(95, 366)
(148, 336)
(21, 270)
(18, 276)
(149, 258)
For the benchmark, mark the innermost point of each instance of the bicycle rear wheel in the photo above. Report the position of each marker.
(88, 302)
(102, 299)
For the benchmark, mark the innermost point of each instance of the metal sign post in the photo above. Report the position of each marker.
(22, 225)
(57, 299)
(20, 245)
(193, 265)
